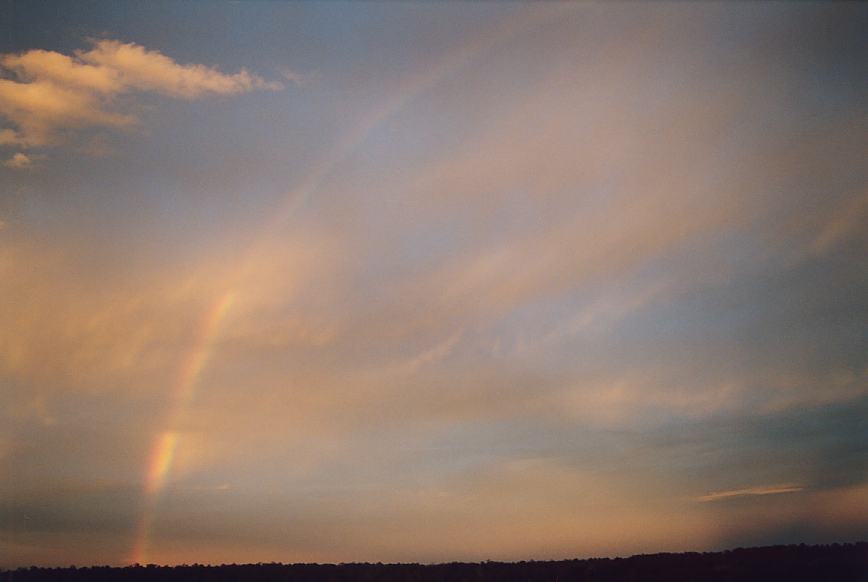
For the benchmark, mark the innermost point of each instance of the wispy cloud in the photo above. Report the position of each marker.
(530, 301)
(751, 491)
(45, 92)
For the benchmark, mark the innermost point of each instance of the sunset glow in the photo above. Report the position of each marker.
(430, 281)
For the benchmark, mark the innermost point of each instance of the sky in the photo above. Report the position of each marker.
(429, 281)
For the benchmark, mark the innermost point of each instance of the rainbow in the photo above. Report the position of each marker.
(163, 452)
(518, 21)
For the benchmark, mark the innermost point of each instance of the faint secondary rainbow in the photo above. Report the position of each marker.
(163, 451)
(521, 20)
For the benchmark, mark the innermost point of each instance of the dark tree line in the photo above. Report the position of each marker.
(835, 562)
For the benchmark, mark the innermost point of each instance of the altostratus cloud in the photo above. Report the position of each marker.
(44, 92)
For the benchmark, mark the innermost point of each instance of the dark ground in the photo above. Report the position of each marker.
(833, 563)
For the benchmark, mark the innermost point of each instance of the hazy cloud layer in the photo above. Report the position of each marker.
(600, 288)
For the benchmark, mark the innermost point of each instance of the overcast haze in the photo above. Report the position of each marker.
(430, 281)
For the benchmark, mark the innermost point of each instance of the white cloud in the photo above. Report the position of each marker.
(45, 92)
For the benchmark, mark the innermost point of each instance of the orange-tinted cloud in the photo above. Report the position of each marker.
(49, 92)
(19, 161)
(553, 294)
(751, 491)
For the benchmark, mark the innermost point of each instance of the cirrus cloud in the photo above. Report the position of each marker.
(751, 491)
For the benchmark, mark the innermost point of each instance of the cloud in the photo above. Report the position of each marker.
(517, 337)
(8, 137)
(844, 222)
(45, 65)
(19, 161)
(46, 92)
(751, 491)
(39, 109)
(136, 67)
(819, 516)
